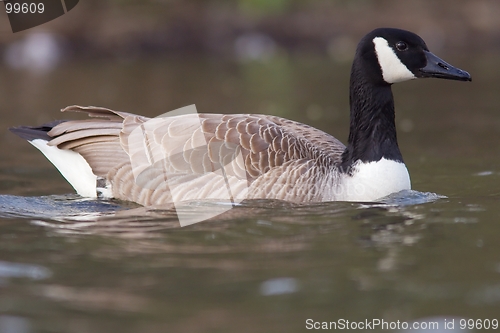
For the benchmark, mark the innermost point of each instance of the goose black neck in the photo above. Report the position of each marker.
(372, 133)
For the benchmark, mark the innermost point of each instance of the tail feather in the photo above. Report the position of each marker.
(38, 132)
(82, 150)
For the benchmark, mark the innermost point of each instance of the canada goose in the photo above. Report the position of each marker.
(115, 154)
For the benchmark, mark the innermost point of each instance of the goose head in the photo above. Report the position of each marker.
(391, 55)
(383, 57)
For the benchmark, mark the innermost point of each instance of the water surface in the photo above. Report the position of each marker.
(73, 265)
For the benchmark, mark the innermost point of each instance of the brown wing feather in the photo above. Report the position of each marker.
(96, 139)
(154, 161)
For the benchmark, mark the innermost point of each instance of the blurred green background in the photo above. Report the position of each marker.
(128, 28)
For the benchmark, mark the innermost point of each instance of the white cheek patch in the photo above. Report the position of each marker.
(393, 70)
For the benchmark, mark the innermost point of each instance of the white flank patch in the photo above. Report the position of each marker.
(72, 166)
(393, 70)
(373, 180)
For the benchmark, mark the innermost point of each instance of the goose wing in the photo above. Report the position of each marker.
(96, 139)
(201, 156)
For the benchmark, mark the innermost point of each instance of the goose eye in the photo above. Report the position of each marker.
(401, 46)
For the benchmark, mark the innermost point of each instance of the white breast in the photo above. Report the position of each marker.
(373, 180)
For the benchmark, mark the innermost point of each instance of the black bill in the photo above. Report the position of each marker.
(438, 68)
